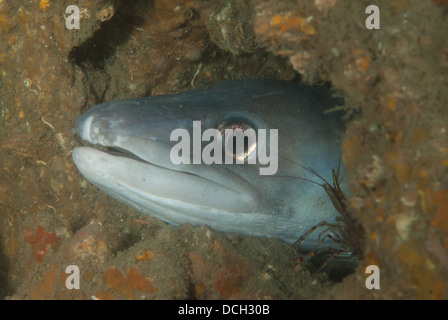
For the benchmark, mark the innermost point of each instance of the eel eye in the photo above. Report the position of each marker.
(239, 138)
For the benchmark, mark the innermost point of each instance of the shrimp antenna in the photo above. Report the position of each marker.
(312, 171)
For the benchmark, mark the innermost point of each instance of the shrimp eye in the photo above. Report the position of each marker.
(239, 138)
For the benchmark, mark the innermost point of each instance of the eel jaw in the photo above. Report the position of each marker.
(147, 185)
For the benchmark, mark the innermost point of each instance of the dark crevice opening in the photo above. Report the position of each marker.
(98, 49)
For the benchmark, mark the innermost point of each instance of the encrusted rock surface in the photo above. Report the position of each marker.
(395, 147)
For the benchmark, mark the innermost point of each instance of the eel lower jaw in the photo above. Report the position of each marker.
(138, 180)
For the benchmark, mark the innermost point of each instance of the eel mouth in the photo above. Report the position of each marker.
(138, 179)
(120, 152)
